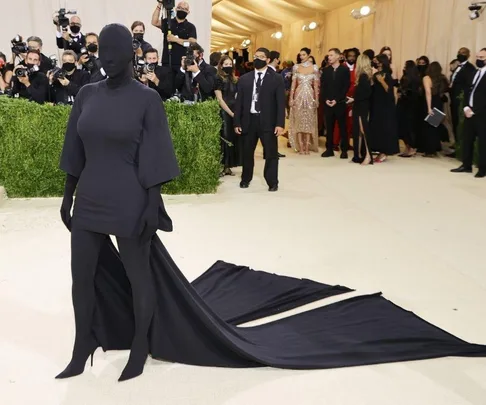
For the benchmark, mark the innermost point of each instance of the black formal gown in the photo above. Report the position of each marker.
(361, 112)
(231, 144)
(431, 136)
(383, 121)
(409, 113)
(196, 323)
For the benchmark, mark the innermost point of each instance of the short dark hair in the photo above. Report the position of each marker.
(196, 47)
(92, 34)
(306, 50)
(151, 50)
(425, 59)
(265, 51)
(370, 53)
(36, 51)
(335, 50)
(274, 55)
(482, 50)
(355, 50)
(35, 39)
(137, 24)
(214, 58)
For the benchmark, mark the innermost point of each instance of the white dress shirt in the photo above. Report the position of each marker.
(273, 67)
(458, 69)
(263, 72)
(477, 80)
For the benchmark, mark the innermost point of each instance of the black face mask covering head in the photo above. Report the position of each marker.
(116, 54)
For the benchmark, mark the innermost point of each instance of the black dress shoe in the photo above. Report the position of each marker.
(273, 188)
(244, 184)
(462, 169)
(327, 153)
(280, 155)
(344, 155)
(357, 160)
(480, 174)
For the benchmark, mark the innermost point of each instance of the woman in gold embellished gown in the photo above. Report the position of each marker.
(304, 102)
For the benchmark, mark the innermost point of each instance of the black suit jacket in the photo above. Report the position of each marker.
(204, 80)
(272, 101)
(335, 85)
(479, 101)
(73, 46)
(38, 90)
(463, 80)
(60, 94)
(165, 76)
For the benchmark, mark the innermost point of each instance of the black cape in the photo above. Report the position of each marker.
(196, 323)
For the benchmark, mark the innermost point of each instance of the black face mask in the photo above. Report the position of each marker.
(228, 70)
(480, 63)
(68, 66)
(93, 48)
(138, 36)
(259, 64)
(75, 29)
(29, 65)
(374, 64)
(462, 58)
(351, 62)
(116, 54)
(181, 15)
(422, 68)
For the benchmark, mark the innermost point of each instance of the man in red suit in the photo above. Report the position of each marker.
(350, 55)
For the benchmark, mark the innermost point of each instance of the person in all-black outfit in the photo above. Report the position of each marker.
(72, 39)
(197, 83)
(409, 109)
(361, 111)
(117, 152)
(260, 114)
(183, 33)
(225, 89)
(335, 82)
(35, 86)
(138, 31)
(161, 79)
(64, 90)
(46, 64)
(475, 123)
(383, 121)
(461, 81)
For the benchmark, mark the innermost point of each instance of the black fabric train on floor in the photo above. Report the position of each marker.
(196, 323)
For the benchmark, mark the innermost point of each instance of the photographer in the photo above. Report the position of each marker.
(19, 50)
(3, 70)
(71, 39)
(138, 31)
(89, 61)
(159, 78)
(28, 81)
(66, 81)
(195, 79)
(183, 33)
(35, 43)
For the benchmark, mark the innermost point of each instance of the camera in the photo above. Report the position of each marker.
(476, 9)
(140, 67)
(190, 58)
(136, 44)
(58, 73)
(19, 46)
(23, 71)
(62, 20)
(90, 64)
(167, 4)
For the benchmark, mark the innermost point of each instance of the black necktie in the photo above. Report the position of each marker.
(257, 92)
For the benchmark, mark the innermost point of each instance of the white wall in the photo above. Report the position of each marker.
(34, 17)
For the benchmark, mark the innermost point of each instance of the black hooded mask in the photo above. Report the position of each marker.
(116, 54)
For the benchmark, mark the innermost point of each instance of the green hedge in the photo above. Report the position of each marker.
(31, 138)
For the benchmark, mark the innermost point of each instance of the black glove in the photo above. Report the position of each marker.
(150, 217)
(67, 201)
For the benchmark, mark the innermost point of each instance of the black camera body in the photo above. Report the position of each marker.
(136, 44)
(24, 71)
(58, 73)
(475, 7)
(167, 4)
(90, 64)
(190, 58)
(19, 46)
(62, 20)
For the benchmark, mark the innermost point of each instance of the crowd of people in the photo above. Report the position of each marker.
(358, 101)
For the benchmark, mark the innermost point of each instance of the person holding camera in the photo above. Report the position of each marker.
(181, 34)
(3, 70)
(138, 32)
(71, 39)
(19, 51)
(88, 59)
(65, 82)
(29, 82)
(195, 79)
(35, 43)
(157, 77)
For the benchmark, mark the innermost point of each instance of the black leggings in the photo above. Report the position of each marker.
(85, 249)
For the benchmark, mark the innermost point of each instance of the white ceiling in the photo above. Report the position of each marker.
(235, 20)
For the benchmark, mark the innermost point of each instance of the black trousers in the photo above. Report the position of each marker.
(474, 127)
(331, 115)
(85, 250)
(270, 152)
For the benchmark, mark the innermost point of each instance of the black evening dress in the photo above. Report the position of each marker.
(409, 112)
(383, 120)
(231, 144)
(361, 112)
(198, 323)
(431, 136)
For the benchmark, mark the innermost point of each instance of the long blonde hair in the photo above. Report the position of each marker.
(363, 65)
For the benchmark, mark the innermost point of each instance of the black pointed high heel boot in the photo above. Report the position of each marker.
(136, 362)
(81, 352)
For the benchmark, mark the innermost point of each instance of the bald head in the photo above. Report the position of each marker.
(75, 20)
(182, 10)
